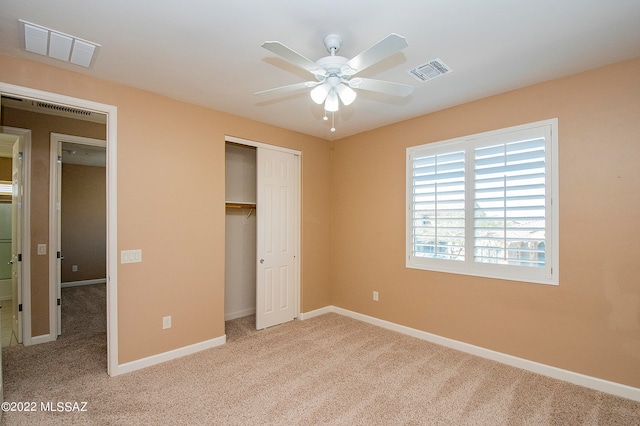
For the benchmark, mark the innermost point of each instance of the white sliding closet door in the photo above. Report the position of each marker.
(277, 237)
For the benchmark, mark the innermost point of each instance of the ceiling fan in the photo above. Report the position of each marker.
(335, 74)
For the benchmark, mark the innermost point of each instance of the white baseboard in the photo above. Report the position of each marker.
(239, 314)
(43, 338)
(525, 364)
(307, 315)
(169, 355)
(83, 282)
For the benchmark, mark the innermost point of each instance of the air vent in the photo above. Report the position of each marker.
(430, 70)
(57, 45)
(62, 108)
(53, 109)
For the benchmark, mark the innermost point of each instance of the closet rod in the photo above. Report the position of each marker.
(240, 206)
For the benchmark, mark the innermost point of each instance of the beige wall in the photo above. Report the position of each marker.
(5, 168)
(41, 126)
(83, 222)
(590, 323)
(163, 144)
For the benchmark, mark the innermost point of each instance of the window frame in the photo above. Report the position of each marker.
(549, 274)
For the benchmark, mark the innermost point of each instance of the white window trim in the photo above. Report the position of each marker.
(469, 267)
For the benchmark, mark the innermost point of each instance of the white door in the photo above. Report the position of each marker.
(16, 238)
(277, 239)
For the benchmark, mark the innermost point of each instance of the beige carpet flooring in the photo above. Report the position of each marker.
(328, 370)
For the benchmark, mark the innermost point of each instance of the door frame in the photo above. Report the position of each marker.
(25, 234)
(55, 226)
(111, 113)
(298, 155)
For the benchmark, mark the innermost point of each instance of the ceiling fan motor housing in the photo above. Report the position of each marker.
(333, 41)
(333, 66)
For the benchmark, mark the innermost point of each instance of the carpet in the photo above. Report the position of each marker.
(328, 370)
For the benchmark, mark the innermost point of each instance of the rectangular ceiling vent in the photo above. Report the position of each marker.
(430, 70)
(57, 45)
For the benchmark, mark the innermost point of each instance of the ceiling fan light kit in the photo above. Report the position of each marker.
(334, 82)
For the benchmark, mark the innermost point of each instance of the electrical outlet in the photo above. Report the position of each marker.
(166, 322)
(375, 296)
(74, 268)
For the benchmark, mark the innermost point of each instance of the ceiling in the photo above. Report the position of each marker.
(208, 52)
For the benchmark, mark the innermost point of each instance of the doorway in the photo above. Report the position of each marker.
(262, 263)
(110, 114)
(77, 221)
(15, 147)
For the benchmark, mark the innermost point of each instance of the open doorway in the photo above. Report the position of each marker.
(46, 329)
(77, 230)
(14, 229)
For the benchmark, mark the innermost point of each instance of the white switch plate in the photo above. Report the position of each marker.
(42, 249)
(131, 256)
(375, 296)
(74, 268)
(166, 322)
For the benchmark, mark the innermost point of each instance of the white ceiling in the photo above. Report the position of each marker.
(207, 52)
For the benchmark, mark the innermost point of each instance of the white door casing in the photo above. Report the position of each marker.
(55, 254)
(17, 195)
(277, 239)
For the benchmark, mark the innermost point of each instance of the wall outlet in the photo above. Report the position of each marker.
(166, 322)
(74, 268)
(375, 296)
(42, 249)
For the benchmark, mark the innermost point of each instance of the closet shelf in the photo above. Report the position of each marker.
(240, 205)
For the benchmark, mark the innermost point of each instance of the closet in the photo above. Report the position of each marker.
(262, 239)
(240, 227)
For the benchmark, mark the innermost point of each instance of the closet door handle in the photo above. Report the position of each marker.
(261, 261)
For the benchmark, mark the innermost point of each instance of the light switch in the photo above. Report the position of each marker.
(42, 249)
(131, 256)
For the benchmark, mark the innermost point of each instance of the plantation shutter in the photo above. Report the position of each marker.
(509, 203)
(438, 205)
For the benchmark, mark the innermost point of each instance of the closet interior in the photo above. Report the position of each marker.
(241, 231)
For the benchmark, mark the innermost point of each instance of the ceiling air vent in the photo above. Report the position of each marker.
(430, 70)
(57, 45)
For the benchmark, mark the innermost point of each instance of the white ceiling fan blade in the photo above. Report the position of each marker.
(293, 57)
(289, 88)
(386, 87)
(384, 48)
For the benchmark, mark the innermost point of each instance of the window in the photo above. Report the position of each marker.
(486, 204)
